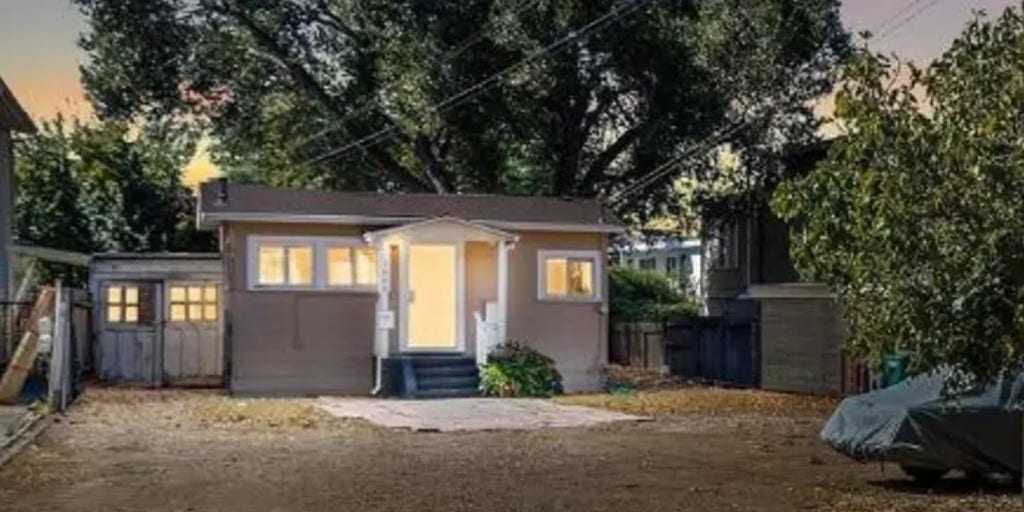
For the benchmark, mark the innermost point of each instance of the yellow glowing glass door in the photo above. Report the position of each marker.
(432, 297)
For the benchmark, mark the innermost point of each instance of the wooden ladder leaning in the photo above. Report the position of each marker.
(25, 356)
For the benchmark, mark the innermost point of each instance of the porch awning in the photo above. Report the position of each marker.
(444, 228)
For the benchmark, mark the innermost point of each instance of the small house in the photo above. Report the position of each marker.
(343, 292)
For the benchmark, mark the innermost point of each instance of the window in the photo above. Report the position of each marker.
(568, 275)
(281, 265)
(351, 266)
(723, 246)
(193, 303)
(122, 304)
(311, 263)
(648, 264)
(672, 266)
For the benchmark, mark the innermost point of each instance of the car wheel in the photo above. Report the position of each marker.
(924, 475)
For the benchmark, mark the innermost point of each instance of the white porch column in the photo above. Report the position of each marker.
(384, 316)
(502, 320)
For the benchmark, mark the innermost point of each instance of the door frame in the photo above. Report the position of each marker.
(460, 297)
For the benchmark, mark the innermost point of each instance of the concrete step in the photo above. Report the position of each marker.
(447, 393)
(471, 382)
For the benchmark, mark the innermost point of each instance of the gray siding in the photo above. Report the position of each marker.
(801, 340)
(6, 210)
(296, 343)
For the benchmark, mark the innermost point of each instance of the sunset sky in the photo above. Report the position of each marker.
(39, 58)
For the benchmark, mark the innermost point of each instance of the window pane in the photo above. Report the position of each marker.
(195, 293)
(366, 266)
(131, 314)
(131, 295)
(114, 314)
(271, 260)
(300, 265)
(114, 295)
(210, 294)
(178, 313)
(581, 278)
(195, 311)
(339, 266)
(555, 276)
(209, 312)
(177, 294)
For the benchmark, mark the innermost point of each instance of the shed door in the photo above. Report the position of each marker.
(128, 337)
(193, 347)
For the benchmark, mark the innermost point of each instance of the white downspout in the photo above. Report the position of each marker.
(381, 332)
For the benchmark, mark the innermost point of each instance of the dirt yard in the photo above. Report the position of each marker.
(196, 451)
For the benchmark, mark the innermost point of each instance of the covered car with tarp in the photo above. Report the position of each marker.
(912, 424)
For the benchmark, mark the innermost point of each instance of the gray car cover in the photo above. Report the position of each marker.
(912, 425)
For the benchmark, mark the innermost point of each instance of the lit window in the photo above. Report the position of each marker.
(285, 265)
(348, 266)
(193, 303)
(311, 263)
(570, 275)
(122, 304)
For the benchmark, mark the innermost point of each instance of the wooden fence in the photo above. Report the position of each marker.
(704, 348)
(637, 344)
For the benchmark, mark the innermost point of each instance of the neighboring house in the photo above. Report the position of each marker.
(13, 119)
(750, 276)
(678, 258)
(335, 292)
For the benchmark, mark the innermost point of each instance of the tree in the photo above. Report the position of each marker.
(916, 217)
(287, 88)
(98, 188)
(640, 295)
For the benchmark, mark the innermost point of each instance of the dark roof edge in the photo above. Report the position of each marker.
(12, 115)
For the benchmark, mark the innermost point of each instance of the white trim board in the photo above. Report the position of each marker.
(594, 255)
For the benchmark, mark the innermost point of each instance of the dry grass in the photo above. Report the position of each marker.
(706, 400)
(210, 409)
(926, 503)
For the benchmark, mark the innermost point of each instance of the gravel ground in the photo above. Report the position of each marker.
(189, 451)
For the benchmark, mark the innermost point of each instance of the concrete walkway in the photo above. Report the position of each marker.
(446, 415)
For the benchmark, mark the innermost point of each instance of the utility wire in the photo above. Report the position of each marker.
(902, 23)
(368, 101)
(494, 79)
(720, 135)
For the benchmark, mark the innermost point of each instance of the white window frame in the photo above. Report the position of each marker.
(545, 254)
(319, 246)
(350, 243)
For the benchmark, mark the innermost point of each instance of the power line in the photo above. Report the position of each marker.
(369, 100)
(910, 4)
(907, 20)
(491, 81)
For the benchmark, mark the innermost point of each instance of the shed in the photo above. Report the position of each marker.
(158, 318)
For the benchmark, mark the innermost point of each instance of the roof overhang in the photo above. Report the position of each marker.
(451, 226)
(209, 220)
(54, 255)
(12, 116)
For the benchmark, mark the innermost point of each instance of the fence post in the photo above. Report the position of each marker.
(60, 352)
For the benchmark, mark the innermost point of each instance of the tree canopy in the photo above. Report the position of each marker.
(916, 217)
(549, 97)
(100, 188)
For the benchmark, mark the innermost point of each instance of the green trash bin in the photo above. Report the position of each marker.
(894, 368)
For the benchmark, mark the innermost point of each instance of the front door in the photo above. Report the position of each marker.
(432, 298)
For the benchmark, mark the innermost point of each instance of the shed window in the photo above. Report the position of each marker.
(569, 275)
(122, 304)
(193, 303)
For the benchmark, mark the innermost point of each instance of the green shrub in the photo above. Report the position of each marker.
(516, 370)
(641, 295)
